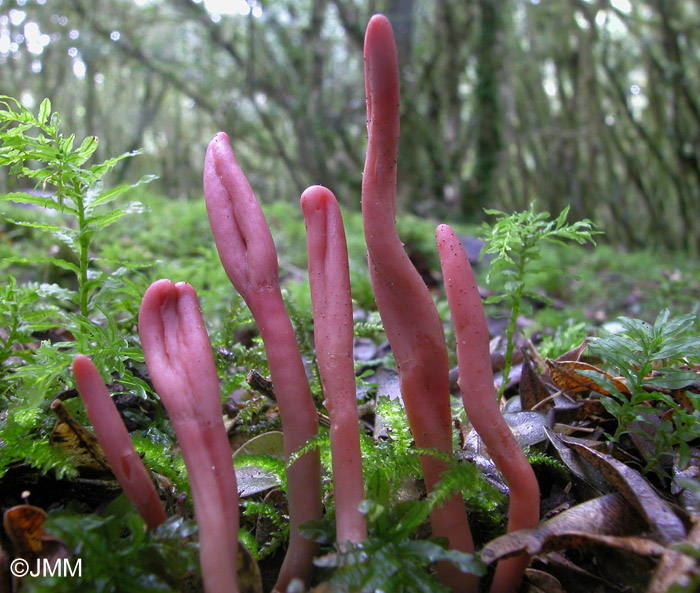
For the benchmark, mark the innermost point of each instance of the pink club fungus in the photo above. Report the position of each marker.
(333, 334)
(481, 403)
(407, 310)
(181, 365)
(249, 257)
(125, 462)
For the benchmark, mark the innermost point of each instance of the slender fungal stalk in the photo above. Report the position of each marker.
(118, 448)
(409, 315)
(329, 279)
(249, 257)
(181, 366)
(480, 400)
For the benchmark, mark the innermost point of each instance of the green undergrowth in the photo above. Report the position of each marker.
(653, 361)
(393, 558)
(116, 553)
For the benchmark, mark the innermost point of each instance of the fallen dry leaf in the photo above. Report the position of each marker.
(575, 353)
(532, 389)
(675, 566)
(607, 520)
(565, 376)
(538, 581)
(666, 526)
(580, 468)
(24, 527)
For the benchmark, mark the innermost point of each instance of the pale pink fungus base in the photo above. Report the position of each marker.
(481, 403)
(249, 257)
(181, 365)
(329, 280)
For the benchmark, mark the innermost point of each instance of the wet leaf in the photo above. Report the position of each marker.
(527, 428)
(607, 520)
(388, 385)
(252, 478)
(565, 376)
(667, 527)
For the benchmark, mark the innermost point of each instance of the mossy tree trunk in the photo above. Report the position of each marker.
(487, 108)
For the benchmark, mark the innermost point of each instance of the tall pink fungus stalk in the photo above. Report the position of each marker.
(249, 258)
(409, 315)
(481, 403)
(181, 366)
(125, 462)
(333, 334)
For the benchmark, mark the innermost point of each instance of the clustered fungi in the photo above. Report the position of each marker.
(180, 363)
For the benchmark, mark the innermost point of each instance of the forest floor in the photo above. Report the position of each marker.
(604, 394)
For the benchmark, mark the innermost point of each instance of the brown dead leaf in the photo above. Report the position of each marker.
(681, 397)
(666, 526)
(577, 579)
(579, 467)
(565, 376)
(575, 353)
(607, 520)
(675, 565)
(532, 390)
(75, 440)
(538, 581)
(24, 527)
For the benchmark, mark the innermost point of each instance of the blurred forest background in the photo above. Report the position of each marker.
(592, 103)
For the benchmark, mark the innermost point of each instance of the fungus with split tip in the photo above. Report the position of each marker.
(329, 280)
(181, 366)
(407, 310)
(481, 403)
(249, 257)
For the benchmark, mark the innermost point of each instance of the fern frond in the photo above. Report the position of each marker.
(320, 441)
